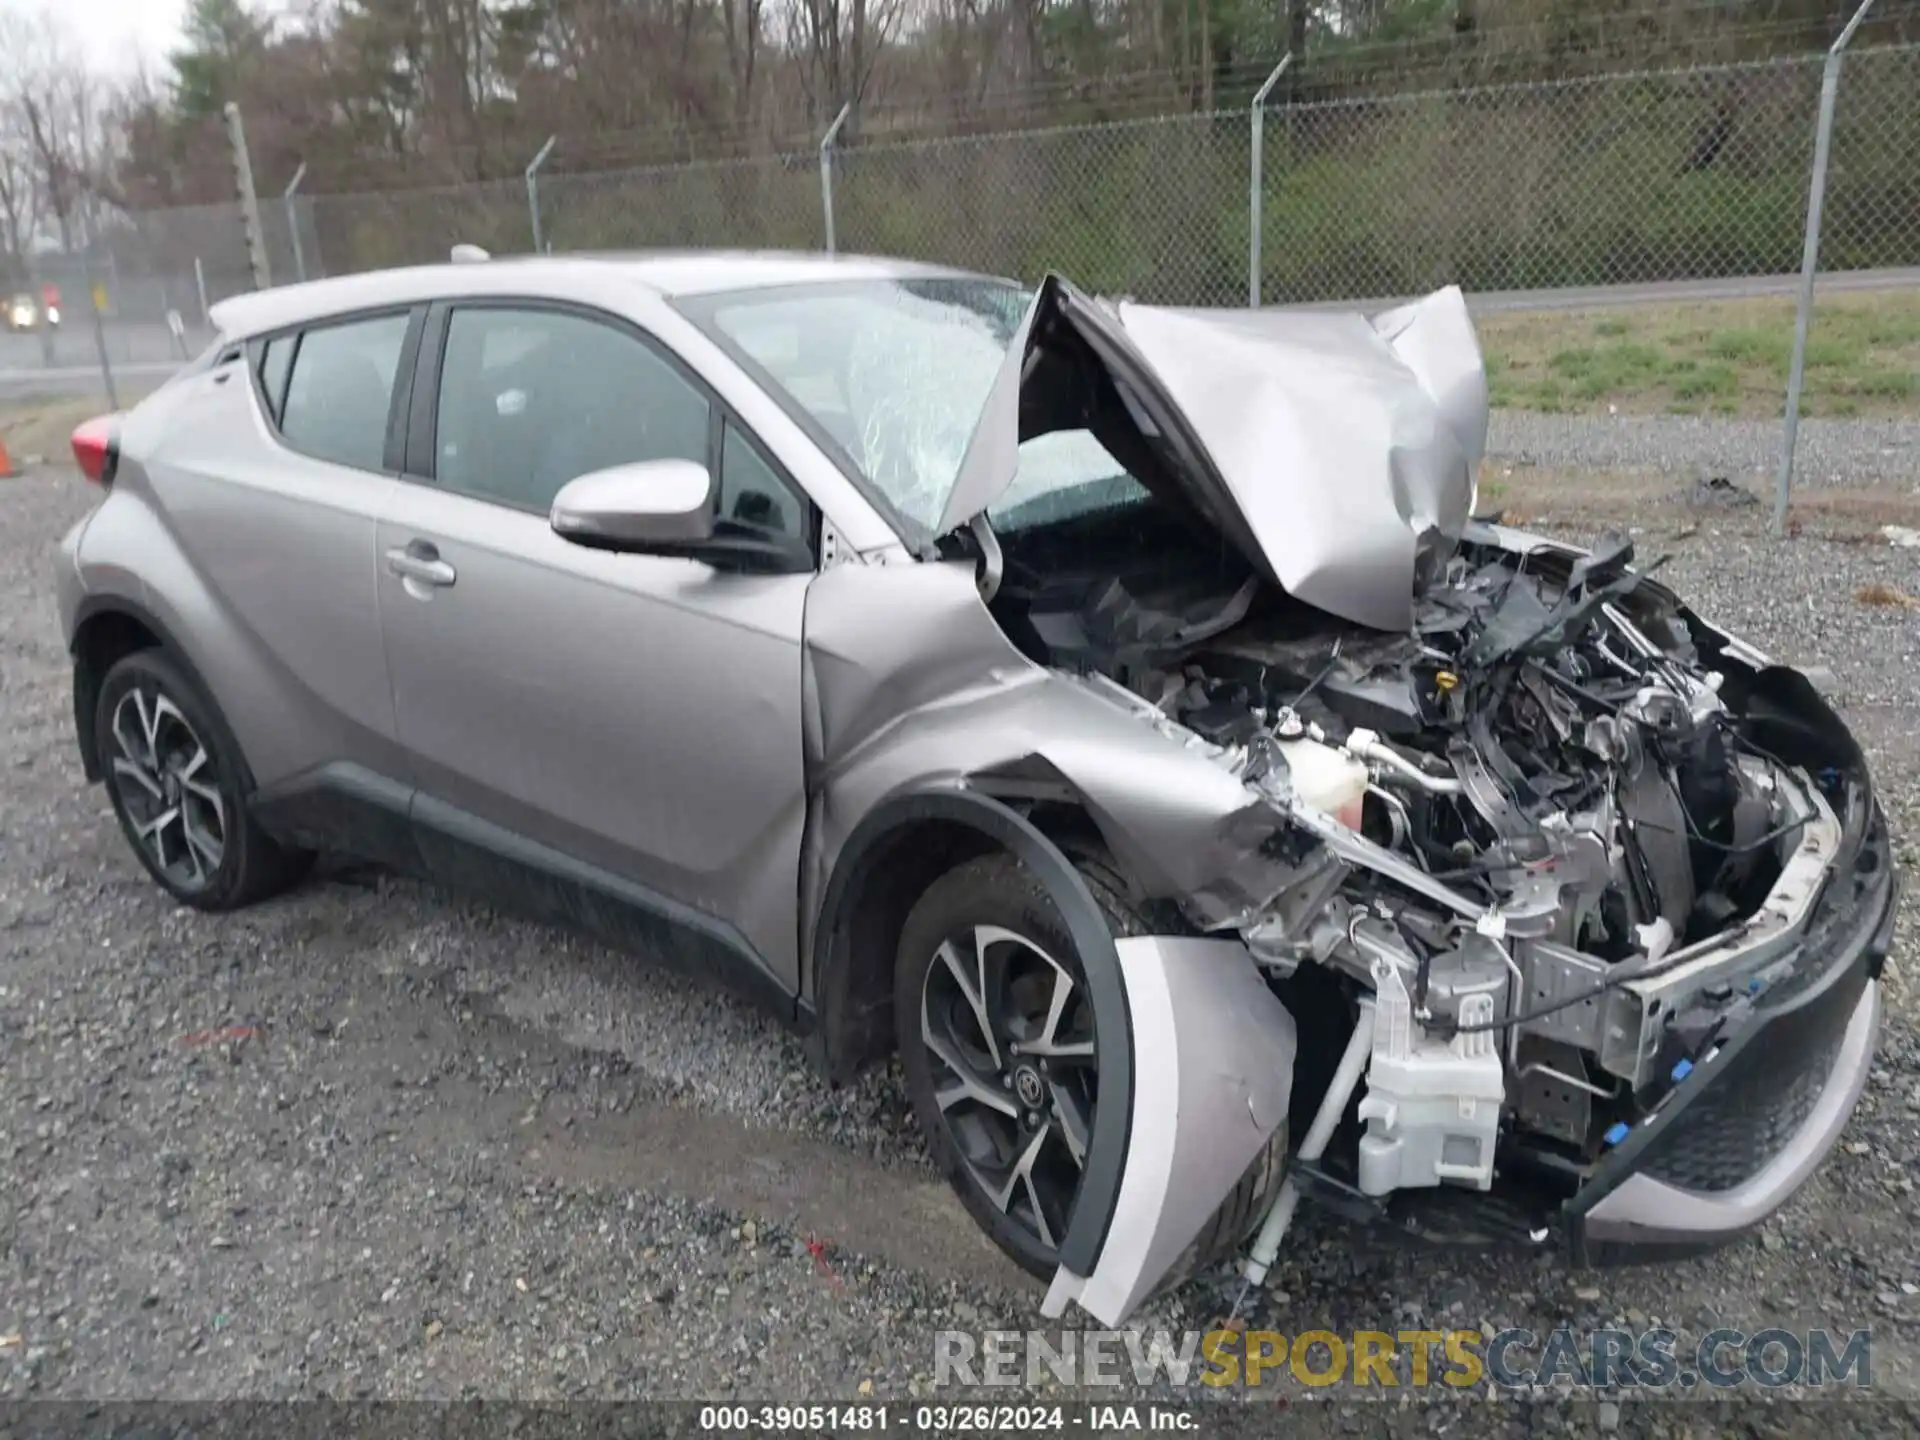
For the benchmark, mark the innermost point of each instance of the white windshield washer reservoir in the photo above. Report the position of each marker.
(1329, 780)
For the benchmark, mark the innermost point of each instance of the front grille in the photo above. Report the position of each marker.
(1763, 1093)
(1736, 1126)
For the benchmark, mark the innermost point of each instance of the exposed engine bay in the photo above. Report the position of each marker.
(1546, 837)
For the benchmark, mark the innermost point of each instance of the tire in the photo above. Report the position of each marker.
(969, 1141)
(179, 786)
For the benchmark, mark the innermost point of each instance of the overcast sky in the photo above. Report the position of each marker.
(113, 32)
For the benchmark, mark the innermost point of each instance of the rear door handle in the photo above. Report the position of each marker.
(420, 564)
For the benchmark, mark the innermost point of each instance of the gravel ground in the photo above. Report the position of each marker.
(371, 1140)
(1830, 452)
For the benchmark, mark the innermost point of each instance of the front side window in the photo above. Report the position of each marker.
(340, 390)
(530, 399)
(895, 373)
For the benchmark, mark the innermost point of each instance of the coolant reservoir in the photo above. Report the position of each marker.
(1327, 779)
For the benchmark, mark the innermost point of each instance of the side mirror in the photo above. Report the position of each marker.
(648, 505)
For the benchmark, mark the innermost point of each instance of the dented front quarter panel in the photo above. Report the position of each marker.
(910, 682)
(910, 685)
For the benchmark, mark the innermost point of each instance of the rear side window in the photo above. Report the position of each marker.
(340, 389)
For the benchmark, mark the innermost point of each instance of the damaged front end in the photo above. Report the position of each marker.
(1536, 863)
(1564, 852)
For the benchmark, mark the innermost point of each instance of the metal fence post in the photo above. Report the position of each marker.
(826, 168)
(293, 219)
(1256, 177)
(40, 298)
(249, 199)
(99, 326)
(533, 190)
(200, 284)
(1810, 262)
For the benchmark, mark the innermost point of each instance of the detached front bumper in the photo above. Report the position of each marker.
(1757, 1115)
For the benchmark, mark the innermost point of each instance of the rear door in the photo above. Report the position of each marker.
(275, 468)
(616, 735)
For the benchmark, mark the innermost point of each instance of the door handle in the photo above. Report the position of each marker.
(421, 564)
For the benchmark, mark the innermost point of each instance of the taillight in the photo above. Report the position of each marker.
(96, 447)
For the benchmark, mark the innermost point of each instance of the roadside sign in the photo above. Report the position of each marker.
(50, 294)
(100, 298)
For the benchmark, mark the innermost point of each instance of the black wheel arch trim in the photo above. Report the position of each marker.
(1086, 926)
(86, 688)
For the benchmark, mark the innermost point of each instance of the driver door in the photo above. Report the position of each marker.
(612, 738)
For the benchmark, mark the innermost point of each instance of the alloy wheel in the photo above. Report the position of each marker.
(1009, 1034)
(169, 788)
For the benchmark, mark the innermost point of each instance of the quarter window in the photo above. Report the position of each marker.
(341, 389)
(530, 399)
(752, 495)
(276, 359)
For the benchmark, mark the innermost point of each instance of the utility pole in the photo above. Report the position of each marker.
(249, 200)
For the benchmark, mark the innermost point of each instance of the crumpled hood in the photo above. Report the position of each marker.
(1338, 452)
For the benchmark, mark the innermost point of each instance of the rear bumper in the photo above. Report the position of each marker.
(1735, 1139)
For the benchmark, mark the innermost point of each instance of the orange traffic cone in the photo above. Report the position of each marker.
(7, 472)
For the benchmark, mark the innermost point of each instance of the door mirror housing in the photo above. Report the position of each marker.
(666, 507)
(649, 505)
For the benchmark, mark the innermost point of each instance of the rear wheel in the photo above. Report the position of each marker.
(1003, 1060)
(179, 786)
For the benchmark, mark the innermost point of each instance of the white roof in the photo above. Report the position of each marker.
(690, 272)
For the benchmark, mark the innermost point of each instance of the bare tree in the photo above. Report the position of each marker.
(17, 191)
(838, 43)
(62, 104)
(741, 25)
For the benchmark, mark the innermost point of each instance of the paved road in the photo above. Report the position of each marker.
(1674, 292)
(1661, 292)
(142, 353)
(70, 365)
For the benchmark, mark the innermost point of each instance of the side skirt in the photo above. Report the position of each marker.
(351, 809)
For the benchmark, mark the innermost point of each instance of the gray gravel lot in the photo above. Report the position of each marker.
(1830, 452)
(374, 1140)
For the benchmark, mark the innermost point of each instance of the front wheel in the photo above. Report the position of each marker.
(1003, 1061)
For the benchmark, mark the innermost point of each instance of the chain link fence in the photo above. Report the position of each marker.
(1872, 215)
(1154, 209)
(1616, 179)
(1699, 173)
(153, 276)
(416, 227)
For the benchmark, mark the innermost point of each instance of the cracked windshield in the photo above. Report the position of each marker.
(896, 373)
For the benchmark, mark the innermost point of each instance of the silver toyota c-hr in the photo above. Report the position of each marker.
(1116, 711)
